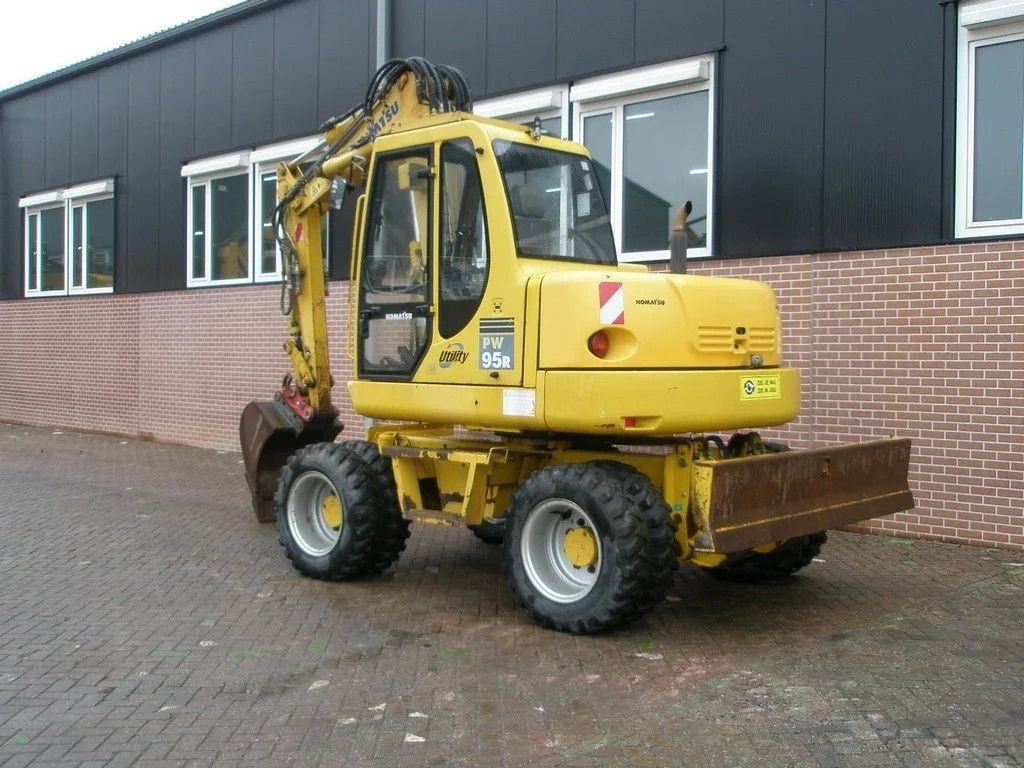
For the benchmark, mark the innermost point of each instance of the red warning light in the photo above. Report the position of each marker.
(598, 344)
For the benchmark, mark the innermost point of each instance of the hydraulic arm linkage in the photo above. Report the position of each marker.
(402, 92)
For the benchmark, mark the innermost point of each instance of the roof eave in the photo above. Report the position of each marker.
(204, 23)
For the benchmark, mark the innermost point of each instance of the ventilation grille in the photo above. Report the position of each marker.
(724, 338)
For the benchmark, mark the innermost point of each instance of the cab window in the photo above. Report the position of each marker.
(464, 258)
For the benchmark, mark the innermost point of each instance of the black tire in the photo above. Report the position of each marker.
(310, 477)
(783, 561)
(628, 570)
(661, 528)
(490, 530)
(393, 530)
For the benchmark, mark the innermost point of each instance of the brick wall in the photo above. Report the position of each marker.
(176, 367)
(924, 343)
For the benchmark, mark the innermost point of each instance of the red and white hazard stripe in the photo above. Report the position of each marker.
(613, 303)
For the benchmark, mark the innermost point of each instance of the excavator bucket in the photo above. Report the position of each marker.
(747, 502)
(269, 433)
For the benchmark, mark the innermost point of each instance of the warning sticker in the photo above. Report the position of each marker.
(613, 303)
(761, 386)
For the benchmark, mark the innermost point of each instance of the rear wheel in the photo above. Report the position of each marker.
(327, 519)
(580, 555)
(785, 560)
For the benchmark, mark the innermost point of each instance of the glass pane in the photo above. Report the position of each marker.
(998, 131)
(597, 136)
(557, 208)
(51, 248)
(653, 189)
(199, 231)
(552, 126)
(395, 266)
(229, 227)
(33, 252)
(463, 238)
(393, 343)
(393, 328)
(268, 238)
(99, 263)
(76, 247)
(549, 126)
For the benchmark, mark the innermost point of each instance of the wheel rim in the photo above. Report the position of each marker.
(552, 565)
(315, 513)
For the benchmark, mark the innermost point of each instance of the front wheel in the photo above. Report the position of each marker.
(327, 513)
(580, 552)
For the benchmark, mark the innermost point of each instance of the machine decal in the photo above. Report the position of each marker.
(762, 386)
(519, 402)
(383, 121)
(497, 343)
(454, 354)
(613, 303)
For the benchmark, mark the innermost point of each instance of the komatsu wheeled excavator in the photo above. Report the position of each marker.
(593, 417)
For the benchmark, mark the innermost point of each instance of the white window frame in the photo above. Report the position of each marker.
(264, 160)
(202, 173)
(66, 199)
(611, 93)
(982, 23)
(544, 103)
(255, 164)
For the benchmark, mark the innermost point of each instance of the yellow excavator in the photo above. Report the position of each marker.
(523, 383)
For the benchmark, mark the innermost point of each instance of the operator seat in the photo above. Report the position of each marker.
(533, 229)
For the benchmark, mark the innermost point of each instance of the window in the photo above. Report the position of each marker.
(550, 105)
(464, 255)
(219, 222)
(990, 116)
(557, 208)
(231, 204)
(649, 132)
(395, 306)
(268, 253)
(69, 240)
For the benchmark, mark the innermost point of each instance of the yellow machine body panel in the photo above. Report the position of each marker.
(667, 402)
(657, 321)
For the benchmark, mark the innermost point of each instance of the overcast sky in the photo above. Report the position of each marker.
(45, 36)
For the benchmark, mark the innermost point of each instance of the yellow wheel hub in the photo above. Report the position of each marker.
(330, 511)
(580, 547)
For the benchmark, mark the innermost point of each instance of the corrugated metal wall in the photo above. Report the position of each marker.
(270, 76)
(834, 125)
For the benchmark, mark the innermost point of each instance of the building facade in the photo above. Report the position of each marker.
(865, 158)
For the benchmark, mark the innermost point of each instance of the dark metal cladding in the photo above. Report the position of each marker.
(776, 496)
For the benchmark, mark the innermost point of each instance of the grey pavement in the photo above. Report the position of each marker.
(146, 619)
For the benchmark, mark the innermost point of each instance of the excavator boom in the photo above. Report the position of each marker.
(402, 93)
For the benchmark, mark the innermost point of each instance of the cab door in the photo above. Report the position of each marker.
(394, 279)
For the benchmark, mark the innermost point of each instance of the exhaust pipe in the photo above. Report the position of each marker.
(677, 240)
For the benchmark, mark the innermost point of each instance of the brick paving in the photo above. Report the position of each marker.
(146, 619)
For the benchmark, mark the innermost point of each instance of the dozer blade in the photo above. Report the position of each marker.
(744, 503)
(269, 433)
